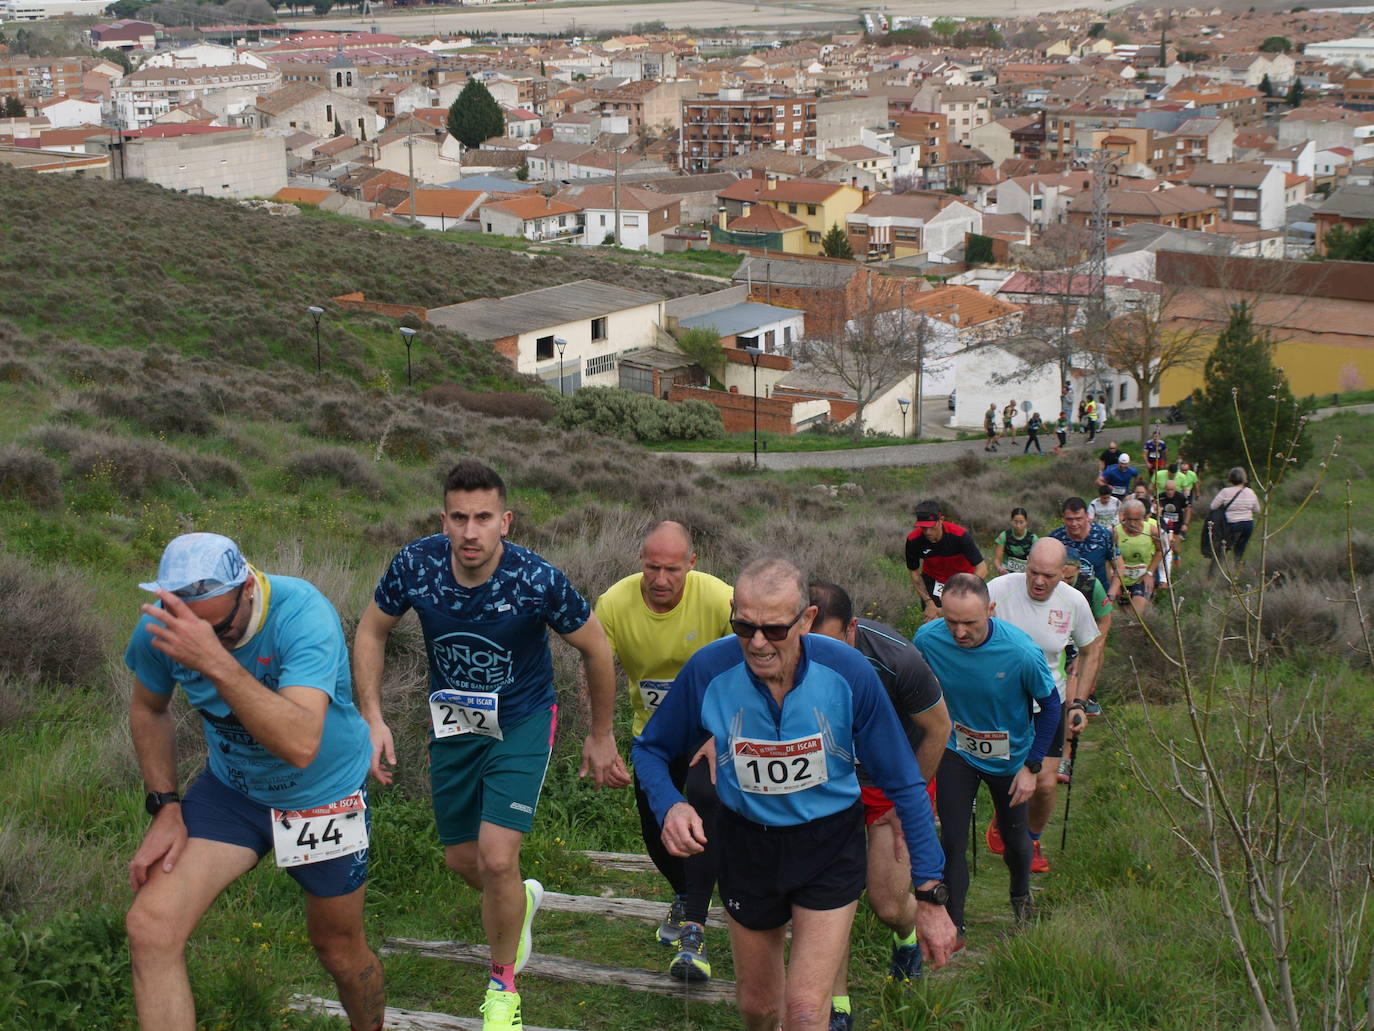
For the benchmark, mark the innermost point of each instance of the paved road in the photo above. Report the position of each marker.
(916, 454)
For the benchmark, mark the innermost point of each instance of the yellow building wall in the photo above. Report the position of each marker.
(835, 210)
(1320, 369)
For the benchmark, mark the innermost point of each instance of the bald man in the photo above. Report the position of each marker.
(656, 620)
(1055, 615)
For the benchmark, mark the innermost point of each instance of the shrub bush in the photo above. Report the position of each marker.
(134, 467)
(629, 415)
(28, 475)
(159, 410)
(50, 630)
(343, 465)
(496, 403)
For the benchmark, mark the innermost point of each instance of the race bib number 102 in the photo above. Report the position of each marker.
(301, 836)
(780, 767)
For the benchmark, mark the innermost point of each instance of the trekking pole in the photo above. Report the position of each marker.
(973, 836)
(1068, 795)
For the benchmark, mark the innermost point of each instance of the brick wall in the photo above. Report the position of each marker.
(358, 302)
(737, 410)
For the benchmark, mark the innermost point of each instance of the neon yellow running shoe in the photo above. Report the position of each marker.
(501, 1011)
(534, 896)
(691, 962)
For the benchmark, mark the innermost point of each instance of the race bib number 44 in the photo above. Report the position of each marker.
(780, 767)
(652, 693)
(301, 836)
(983, 744)
(464, 712)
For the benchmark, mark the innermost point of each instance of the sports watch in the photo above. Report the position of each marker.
(159, 800)
(938, 894)
(1034, 767)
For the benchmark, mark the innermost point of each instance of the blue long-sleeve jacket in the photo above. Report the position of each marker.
(798, 758)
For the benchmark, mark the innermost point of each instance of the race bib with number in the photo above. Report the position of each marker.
(938, 589)
(301, 836)
(1014, 565)
(464, 712)
(983, 744)
(780, 767)
(652, 693)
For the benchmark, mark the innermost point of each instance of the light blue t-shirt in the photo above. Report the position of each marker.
(301, 644)
(988, 689)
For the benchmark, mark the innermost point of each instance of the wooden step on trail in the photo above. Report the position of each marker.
(397, 1019)
(558, 968)
(619, 908)
(626, 861)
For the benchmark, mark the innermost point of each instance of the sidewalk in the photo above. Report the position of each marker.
(921, 454)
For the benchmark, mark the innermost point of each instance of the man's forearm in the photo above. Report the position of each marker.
(918, 582)
(368, 652)
(1089, 662)
(154, 737)
(278, 722)
(600, 670)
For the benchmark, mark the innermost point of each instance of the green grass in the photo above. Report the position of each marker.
(743, 443)
(1130, 936)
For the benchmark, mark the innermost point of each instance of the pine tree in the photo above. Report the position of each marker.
(835, 244)
(1246, 402)
(475, 116)
(1296, 93)
(1265, 86)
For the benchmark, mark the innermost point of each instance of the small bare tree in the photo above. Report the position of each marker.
(1148, 343)
(1252, 784)
(875, 352)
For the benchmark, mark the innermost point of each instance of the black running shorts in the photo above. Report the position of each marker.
(765, 871)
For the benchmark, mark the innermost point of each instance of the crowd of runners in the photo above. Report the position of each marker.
(786, 753)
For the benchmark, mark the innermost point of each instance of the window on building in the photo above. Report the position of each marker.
(796, 109)
(599, 329)
(859, 228)
(600, 364)
(813, 237)
(811, 209)
(543, 348)
(791, 209)
(1121, 393)
(787, 336)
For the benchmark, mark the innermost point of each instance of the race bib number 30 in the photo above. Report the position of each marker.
(301, 836)
(652, 693)
(983, 744)
(464, 712)
(780, 767)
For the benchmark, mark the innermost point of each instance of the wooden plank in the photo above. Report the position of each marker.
(626, 861)
(400, 1019)
(618, 908)
(558, 968)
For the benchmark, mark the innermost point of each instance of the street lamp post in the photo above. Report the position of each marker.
(903, 403)
(408, 335)
(753, 353)
(315, 313)
(561, 344)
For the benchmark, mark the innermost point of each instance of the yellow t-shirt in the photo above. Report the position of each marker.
(653, 646)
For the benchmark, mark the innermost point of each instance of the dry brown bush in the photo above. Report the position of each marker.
(497, 403)
(160, 409)
(30, 476)
(343, 465)
(50, 629)
(132, 467)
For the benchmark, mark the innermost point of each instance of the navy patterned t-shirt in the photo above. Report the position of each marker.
(491, 638)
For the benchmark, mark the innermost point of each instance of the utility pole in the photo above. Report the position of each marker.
(410, 153)
(615, 194)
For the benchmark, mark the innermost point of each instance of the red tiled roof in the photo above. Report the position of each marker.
(763, 219)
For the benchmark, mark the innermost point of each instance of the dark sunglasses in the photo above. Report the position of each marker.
(771, 631)
(226, 624)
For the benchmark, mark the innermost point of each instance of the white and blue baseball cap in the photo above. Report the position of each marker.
(197, 566)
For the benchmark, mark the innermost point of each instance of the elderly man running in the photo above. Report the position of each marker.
(789, 712)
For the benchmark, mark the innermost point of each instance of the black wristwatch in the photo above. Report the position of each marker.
(1034, 767)
(158, 800)
(938, 895)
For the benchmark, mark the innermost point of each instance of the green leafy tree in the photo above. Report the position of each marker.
(1245, 414)
(1265, 86)
(979, 250)
(1276, 45)
(835, 244)
(12, 107)
(523, 172)
(323, 7)
(475, 116)
(1297, 93)
(944, 26)
(702, 345)
(119, 57)
(1096, 29)
(1344, 245)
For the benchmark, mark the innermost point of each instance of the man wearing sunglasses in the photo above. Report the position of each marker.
(263, 660)
(789, 713)
(656, 620)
